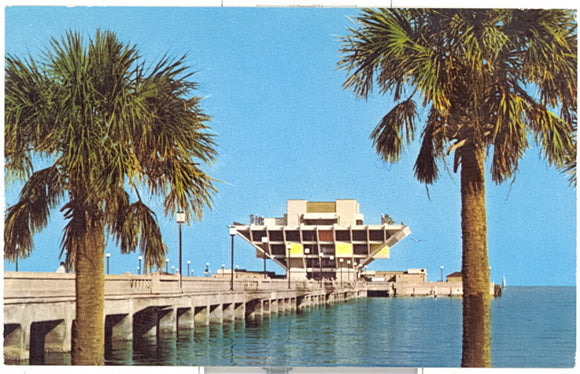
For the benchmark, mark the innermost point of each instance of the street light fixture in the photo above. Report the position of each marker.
(139, 267)
(265, 244)
(232, 234)
(16, 262)
(341, 260)
(180, 220)
(332, 264)
(348, 267)
(320, 264)
(441, 273)
(288, 249)
(166, 266)
(306, 252)
(206, 271)
(188, 262)
(108, 258)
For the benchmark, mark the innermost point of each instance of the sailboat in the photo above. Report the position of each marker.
(503, 284)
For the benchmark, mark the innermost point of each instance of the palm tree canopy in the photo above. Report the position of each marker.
(111, 125)
(497, 78)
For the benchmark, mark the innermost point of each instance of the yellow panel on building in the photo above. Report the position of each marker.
(296, 250)
(343, 250)
(259, 254)
(321, 207)
(383, 253)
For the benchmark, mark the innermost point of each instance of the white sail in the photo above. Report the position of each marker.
(503, 284)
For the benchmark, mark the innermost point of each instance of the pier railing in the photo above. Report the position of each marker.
(22, 285)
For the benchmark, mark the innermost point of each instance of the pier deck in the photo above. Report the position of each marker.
(40, 307)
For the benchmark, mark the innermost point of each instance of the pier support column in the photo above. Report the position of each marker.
(184, 319)
(16, 340)
(254, 309)
(228, 312)
(167, 321)
(145, 323)
(58, 339)
(292, 304)
(200, 317)
(239, 311)
(265, 307)
(274, 306)
(119, 327)
(216, 314)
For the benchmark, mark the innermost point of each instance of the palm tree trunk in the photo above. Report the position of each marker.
(475, 266)
(89, 331)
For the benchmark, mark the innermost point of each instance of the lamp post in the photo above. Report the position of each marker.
(232, 234)
(188, 262)
(348, 268)
(167, 266)
(173, 270)
(306, 252)
(441, 273)
(180, 220)
(341, 260)
(320, 264)
(265, 245)
(332, 264)
(288, 248)
(16, 262)
(108, 258)
(206, 271)
(139, 267)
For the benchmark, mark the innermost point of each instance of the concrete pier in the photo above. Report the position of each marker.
(39, 308)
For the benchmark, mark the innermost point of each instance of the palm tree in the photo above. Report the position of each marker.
(491, 81)
(110, 126)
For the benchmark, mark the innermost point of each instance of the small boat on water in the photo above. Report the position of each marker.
(503, 284)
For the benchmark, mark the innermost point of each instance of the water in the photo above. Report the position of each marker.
(531, 327)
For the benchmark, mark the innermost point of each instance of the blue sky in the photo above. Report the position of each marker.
(286, 129)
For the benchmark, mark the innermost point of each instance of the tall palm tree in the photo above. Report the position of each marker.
(491, 81)
(112, 128)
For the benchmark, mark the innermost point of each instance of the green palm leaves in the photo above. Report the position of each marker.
(110, 125)
(494, 77)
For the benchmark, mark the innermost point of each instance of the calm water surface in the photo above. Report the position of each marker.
(531, 327)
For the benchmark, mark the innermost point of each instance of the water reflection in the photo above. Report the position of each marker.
(400, 332)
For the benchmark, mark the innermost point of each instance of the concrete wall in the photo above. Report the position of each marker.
(39, 308)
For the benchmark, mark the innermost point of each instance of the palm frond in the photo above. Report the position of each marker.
(140, 226)
(394, 130)
(42, 192)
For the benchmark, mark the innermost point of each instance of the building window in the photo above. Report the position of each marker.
(361, 249)
(257, 235)
(276, 236)
(278, 249)
(377, 235)
(359, 235)
(309, 236)
(292, 236)
(343, 235)
(325, 236)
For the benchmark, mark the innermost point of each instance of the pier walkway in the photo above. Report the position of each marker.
(39, 308)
